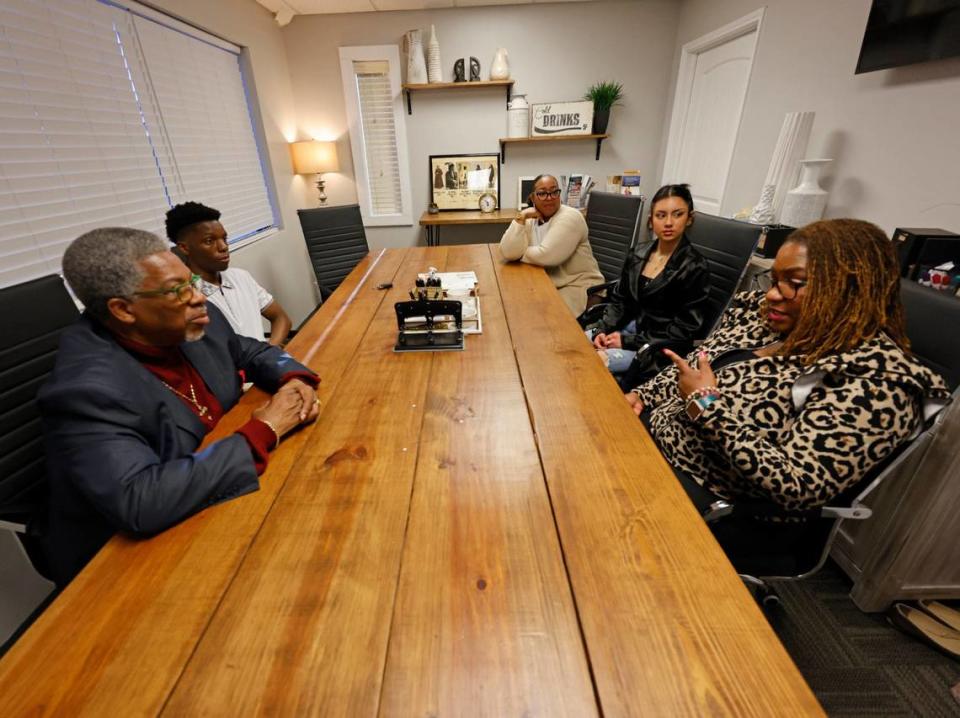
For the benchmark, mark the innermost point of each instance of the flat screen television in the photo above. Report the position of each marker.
(903, 32)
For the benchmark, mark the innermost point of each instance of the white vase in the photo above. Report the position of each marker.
(500, 67)
(416, 65)
(518, 117)
(434, 71)
(805, 202)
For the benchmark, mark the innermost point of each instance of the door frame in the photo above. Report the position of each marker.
(684, 88)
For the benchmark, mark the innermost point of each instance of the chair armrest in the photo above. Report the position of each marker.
(717, 510)
(16, 526)
(596, 289)
(751, 508)
(857, 512)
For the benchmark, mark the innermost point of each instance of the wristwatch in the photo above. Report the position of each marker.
(696, 405)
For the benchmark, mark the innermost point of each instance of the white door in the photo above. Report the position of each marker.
(711, 89)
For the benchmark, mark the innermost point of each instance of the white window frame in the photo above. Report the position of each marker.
(391, 55)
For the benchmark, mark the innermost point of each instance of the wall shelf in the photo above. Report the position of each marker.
(504, 141)
(409, 89)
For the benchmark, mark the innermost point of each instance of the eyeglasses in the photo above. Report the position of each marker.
(544, 194)
(788, 288)
(183, 291)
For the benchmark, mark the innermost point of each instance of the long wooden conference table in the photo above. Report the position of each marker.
(479, 533)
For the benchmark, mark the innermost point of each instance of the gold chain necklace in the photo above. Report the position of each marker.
(202, 411)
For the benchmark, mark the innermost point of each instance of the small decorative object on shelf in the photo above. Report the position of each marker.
(458, 75)
(474, 70)
(434, 68)
(500, 67)
(433, 209)
(518, 117)
(603, 95)
(416, 65)
(487, 202)
(805, 202)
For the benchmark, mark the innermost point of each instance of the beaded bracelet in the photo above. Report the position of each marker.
(704, 391)
(700, 399)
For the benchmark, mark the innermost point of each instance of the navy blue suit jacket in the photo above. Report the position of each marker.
(120, 446)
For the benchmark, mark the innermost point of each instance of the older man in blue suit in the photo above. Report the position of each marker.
(143, 376)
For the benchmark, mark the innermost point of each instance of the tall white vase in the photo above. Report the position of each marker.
(805, 202)
(500, 67)
(416, 65)
(434, 70)
(782, 172)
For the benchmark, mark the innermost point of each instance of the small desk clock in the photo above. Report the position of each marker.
(488, 202)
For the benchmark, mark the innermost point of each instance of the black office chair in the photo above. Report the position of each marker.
(727, 245)
(32, 316)
(336, 242)
(613, 224)
(762, 546)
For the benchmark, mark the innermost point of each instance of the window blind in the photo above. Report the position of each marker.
(109, 118)
(73, 151)
(379, 136)
(205, 120)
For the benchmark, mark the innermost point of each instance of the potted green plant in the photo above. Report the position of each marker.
(604, 95)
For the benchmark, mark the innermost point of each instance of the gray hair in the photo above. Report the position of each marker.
(103, 263)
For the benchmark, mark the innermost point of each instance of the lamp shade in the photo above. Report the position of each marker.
(313, 157)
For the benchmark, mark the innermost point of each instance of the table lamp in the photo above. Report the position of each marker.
(314, 157)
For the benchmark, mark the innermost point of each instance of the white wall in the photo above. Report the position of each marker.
(892, 134)
(279, 263)
(556, 51)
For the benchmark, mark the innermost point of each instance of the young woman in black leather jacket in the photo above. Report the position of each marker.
(660, 295)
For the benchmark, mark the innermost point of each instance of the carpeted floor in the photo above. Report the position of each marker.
(856, 663)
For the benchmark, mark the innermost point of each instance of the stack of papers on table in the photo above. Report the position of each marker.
(462, 286)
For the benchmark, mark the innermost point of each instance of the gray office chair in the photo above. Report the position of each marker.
(613, 225)
(761, 546)
(32, 317)
(336, 242)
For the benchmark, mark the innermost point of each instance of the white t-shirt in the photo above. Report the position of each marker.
(240, 299)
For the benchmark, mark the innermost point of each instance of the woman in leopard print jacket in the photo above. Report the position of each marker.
(804, 388)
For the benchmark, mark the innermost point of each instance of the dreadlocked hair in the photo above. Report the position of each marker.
(853, 289)
(186, 215)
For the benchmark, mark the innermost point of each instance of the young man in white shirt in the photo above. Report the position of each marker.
(202, 241)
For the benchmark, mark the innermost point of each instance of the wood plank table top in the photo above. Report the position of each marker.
(486, 532)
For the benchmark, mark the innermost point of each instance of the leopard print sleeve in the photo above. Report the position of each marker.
(846, 426)
(737, 329)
